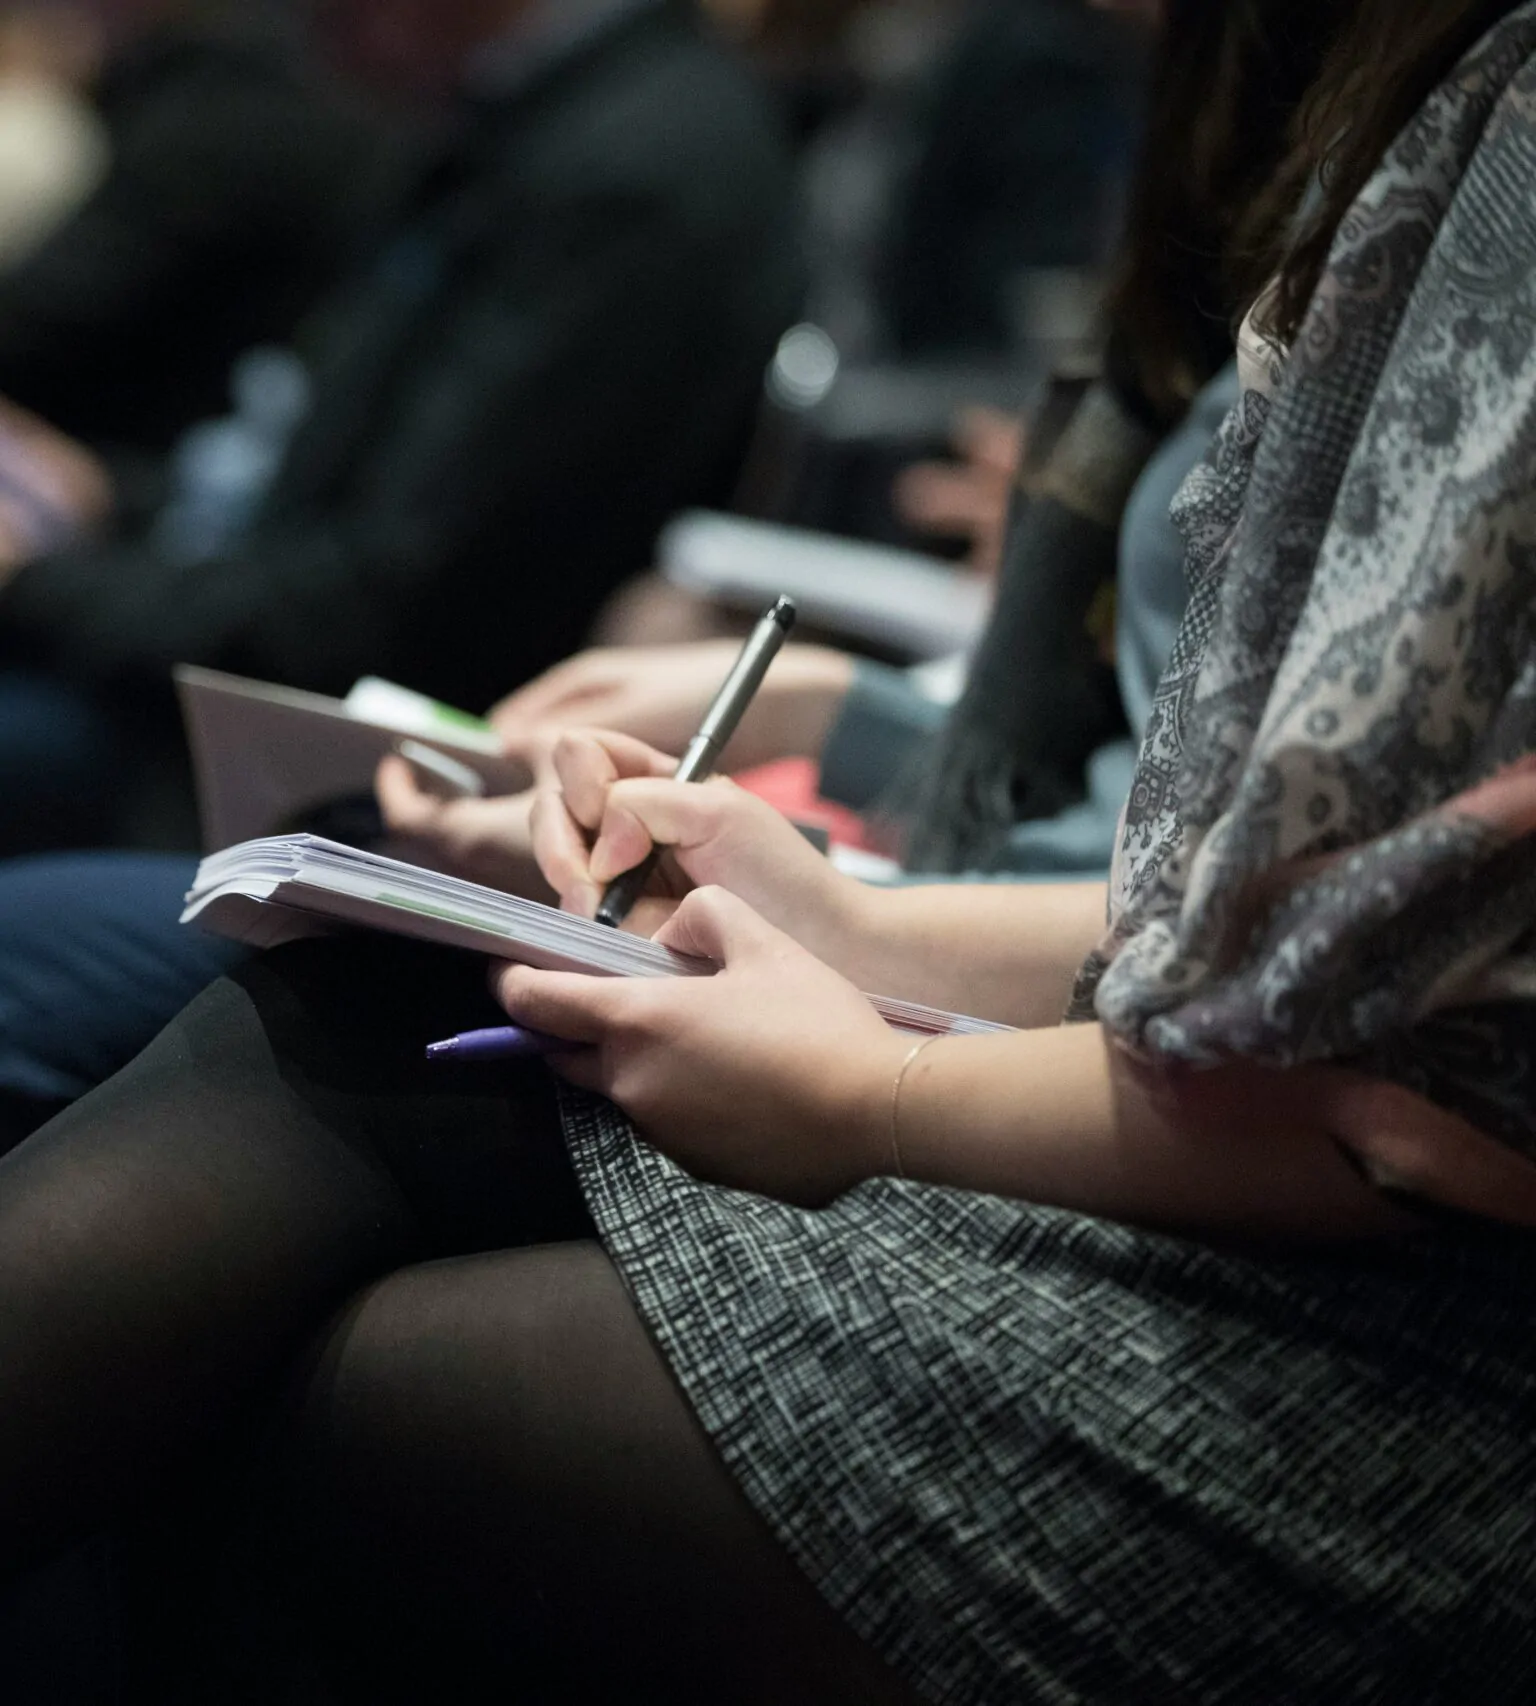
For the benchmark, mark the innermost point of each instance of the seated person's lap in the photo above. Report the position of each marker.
(488, 1380)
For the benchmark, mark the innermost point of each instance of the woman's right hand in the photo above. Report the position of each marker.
(658, 694)
(610, 799)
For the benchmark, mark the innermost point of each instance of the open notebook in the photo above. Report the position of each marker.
(289, 886)
(268, 757)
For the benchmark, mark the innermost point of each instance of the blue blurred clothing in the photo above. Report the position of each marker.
(1152, 586)
(1080, 841)
(92, 965)
(59, 751)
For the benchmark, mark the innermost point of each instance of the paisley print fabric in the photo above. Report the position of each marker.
(1330, 850)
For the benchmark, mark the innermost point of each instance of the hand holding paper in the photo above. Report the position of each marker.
(658, 693)
(774, 1075)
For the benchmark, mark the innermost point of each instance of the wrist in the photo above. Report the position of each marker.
(862, 923)
(845, 926)
(864, 1109)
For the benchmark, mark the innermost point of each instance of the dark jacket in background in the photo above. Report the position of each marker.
(241, 187)
(563, 343)
(1026, 144)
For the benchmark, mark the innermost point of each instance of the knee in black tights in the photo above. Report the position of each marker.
(498, 1492)
(488, 1472)
(168, 1242)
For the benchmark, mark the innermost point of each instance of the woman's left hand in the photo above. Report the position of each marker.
(774, 1075)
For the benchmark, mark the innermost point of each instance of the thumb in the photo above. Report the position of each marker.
(713, 924)
(406, 805)
(567, 1005)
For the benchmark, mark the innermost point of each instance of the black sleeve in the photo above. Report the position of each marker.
(561, 354)
(235, 193)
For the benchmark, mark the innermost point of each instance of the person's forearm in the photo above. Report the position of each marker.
(997, 952)
(1063, 1117)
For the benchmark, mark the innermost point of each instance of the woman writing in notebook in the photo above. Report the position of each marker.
(1182, 1352)
(93, 963)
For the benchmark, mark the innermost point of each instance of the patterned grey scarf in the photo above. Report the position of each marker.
(1330, 850)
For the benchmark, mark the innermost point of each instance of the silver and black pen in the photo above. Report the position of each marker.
(720, 723)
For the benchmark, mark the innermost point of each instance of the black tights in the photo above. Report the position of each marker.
(280, 1239)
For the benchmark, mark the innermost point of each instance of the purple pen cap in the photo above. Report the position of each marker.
(503, 1042)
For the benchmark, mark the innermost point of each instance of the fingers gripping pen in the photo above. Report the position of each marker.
(699, 761)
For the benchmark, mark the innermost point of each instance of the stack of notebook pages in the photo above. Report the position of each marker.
(282, 888)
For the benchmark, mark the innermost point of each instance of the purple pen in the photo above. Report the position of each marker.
(504, 1042)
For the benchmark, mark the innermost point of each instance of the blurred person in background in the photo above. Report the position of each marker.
(1016, 172)
(560, 343)
(972, 143)
(962, 195)
(178, 181)
(239, 181)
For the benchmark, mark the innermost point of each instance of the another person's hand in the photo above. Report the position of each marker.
(53, 490)
(485, 841)
(610, 799)
(658, 694)
(774, 1075)
(970, 497)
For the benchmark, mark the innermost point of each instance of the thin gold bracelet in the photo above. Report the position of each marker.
(901, 1078)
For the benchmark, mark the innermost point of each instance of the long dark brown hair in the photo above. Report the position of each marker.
(1254, 102)
(1228, 81)
(1388, 58)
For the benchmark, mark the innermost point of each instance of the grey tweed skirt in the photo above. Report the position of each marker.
(1034, 1457)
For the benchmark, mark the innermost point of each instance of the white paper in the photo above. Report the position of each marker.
(279, 888)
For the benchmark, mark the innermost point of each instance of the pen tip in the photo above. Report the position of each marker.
(437, 1051)
(785, 612)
